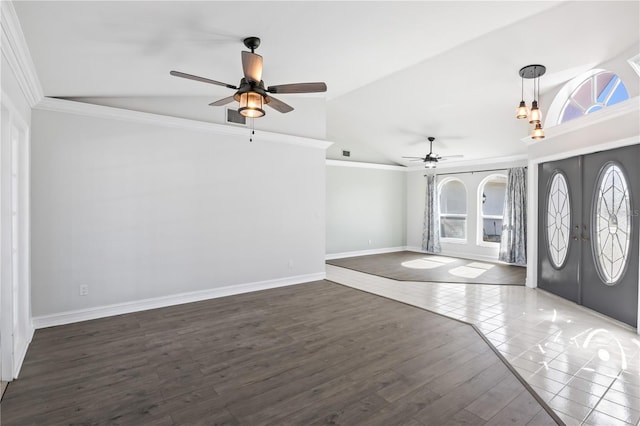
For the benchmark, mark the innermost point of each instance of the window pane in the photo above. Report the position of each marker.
(453, 227)
(453, 198)
(570, 112)
(493, 197)
(612, 222)
(619, 95)
(584, 95)
(606, 81)
(491, 230)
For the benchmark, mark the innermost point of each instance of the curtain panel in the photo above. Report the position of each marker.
(431, 228)
(513, 241)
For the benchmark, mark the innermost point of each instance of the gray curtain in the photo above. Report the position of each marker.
(513, 241)
(431, 229)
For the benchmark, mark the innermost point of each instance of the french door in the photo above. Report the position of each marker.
(588, 230)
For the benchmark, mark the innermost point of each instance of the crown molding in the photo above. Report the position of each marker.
(14, 48)
(470, 165)
(100, 111)
(360, 165)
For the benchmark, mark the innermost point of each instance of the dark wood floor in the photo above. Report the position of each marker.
(316, 353)
(390, 265)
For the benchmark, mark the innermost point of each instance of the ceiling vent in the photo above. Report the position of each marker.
(234, 117)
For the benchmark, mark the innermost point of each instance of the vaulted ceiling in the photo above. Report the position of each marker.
(396, 72)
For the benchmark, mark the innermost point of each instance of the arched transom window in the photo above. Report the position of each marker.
(598, 91)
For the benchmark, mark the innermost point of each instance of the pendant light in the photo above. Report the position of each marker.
(522, 111)
(535, 116)
(537, 133)
(533, 72)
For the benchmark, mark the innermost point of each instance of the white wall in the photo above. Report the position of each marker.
(471, 248)
(366, 207)
(140, 210)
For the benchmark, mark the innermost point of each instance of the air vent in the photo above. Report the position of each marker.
(234, 117)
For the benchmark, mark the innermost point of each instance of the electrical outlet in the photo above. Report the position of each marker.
(84, 289)
(290, 264)
(369, 242)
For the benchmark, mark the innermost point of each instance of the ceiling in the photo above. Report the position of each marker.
(396, 72)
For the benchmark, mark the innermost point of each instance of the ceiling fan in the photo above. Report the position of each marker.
(251, 93)
(430, 160)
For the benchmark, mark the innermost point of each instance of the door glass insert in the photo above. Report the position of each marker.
(558, 219)
(611, 223)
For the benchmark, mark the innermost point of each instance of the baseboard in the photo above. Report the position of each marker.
(22, 353)
(164, 301)
(332, 256)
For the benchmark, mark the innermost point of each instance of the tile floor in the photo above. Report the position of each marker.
(586, 367)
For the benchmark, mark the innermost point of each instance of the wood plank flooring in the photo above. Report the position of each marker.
(413, 266)
(316, 353)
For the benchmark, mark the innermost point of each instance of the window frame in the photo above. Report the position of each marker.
(464, 240)
(480, 214)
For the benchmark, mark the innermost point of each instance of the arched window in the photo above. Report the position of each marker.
(491, 193)
(587, 93)
(453, 210)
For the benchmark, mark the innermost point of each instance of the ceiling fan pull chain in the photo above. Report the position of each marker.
(253, 131)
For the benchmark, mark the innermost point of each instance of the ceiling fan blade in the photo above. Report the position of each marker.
(446, 157)
(278, 105)
(222, 101)
(252, 66)
(298, 88)
(417, 158)
(202, 79)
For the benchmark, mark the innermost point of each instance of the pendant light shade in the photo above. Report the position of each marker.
(535, 116)
(251, 105)
(522, 111)
(538, 133)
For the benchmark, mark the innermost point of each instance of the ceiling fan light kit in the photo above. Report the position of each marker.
(431, 160)
(251, 94)
(250, 105)
(534, 115)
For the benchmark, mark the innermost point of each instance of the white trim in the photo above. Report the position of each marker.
(100, 111)
(332, 256)
(164, 301)
(532, 225)
(14, 345)
(15, 50)
(474, 164)
(356, 164)
(618, 110)
(606, 146)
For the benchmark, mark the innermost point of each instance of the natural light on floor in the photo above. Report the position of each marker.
(429, 262)
(467, 271)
